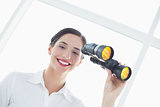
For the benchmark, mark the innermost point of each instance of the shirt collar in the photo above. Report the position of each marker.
(65, 92)
(37, 78)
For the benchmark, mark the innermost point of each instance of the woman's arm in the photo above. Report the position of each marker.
(113, 88)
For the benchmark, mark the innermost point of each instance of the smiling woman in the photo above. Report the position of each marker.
(48, 87)
(65, 55)
(65, 52)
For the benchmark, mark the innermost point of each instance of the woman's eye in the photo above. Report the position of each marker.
(75, 53)
(62, 47)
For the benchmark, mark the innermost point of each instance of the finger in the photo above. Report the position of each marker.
(119, 63)
(109, 74)
(114, 75)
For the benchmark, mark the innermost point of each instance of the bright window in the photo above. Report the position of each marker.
(157, 31)
(145, 90)
(26, 51)
(7, 8)
(138, 14)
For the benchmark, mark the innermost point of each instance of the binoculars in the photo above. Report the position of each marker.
(102, 55)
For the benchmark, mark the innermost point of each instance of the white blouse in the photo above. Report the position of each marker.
(28, 90)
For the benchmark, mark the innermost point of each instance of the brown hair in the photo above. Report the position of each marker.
(65, 31)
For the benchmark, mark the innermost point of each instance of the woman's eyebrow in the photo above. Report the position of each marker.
(63, 42)
(77, 48)
(67, 44)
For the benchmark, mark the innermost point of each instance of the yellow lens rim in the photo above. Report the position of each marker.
(106, 53)
(125, 73)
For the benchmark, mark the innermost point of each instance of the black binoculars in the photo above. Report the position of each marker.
(102, 55)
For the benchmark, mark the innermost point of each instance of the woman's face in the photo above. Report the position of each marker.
(66, 53)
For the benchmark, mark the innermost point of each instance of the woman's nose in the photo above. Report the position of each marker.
(67, 55)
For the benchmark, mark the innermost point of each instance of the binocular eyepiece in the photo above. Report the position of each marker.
(102, 55)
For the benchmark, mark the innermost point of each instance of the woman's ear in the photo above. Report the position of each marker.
(79, 62)
(49, 49)
(82, 57)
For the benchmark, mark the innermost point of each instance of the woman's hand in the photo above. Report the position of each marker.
(113, 88)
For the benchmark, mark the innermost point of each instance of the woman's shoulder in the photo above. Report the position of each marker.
(20, 74)
(17, 75)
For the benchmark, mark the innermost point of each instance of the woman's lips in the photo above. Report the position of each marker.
(63, 62)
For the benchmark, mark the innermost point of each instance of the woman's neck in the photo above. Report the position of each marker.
(53, 81)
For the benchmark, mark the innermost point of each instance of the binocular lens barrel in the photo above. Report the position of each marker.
(122, 72)
(101, 51)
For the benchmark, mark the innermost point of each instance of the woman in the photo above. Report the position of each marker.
(48, 88)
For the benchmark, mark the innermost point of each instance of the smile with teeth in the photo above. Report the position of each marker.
(63, 63)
